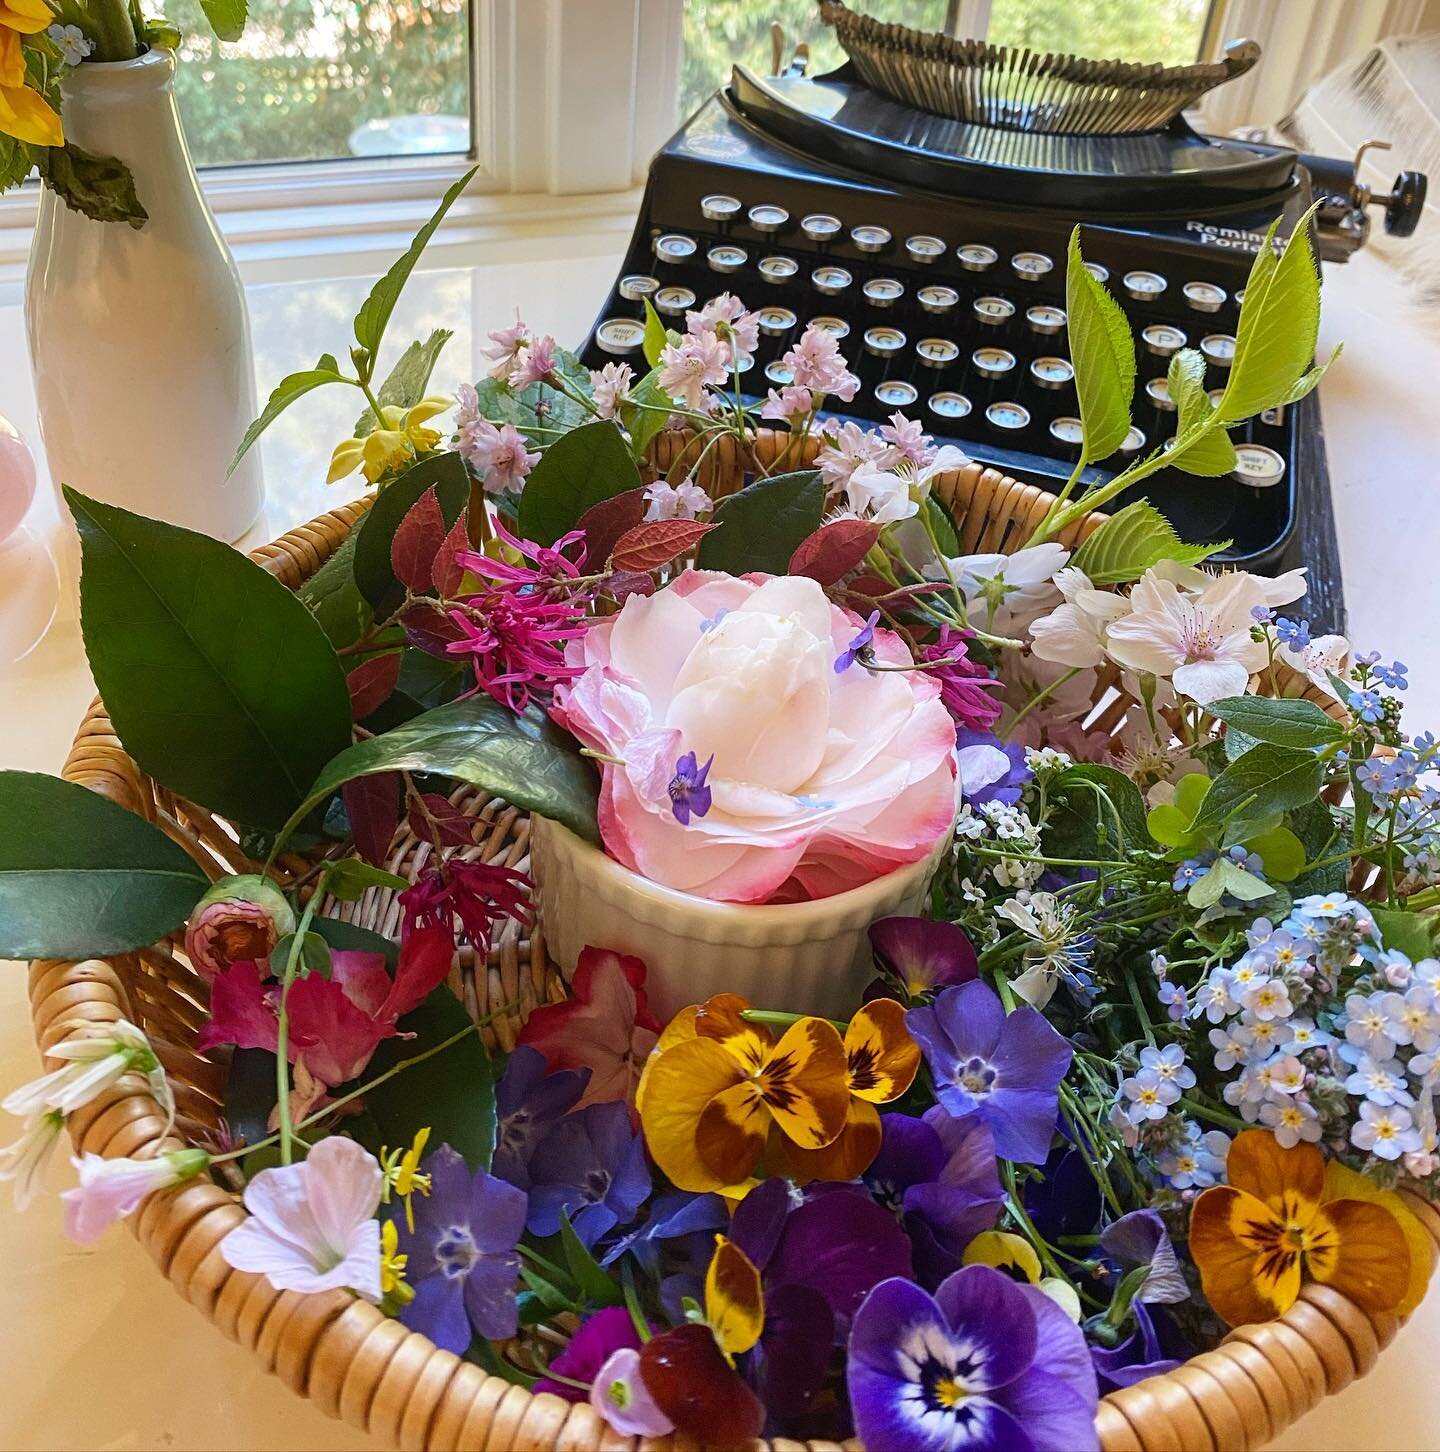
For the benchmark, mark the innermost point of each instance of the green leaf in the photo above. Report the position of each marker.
(99, 187)
(314, 953)
(1294, 724)
(289, 388)
(374, 314)
(219, 682)
(1413, 934)
(542, 413)
(334, 599)
(656, 337)
(1282, 852)
(405, 384)
(943, 523)
(596, 1284)
(81, 876)
(226, 17)
(578, 470)
(350, 878)
(351, 938)
(526, 759)
(1226, 876)
(1266, 780)
(1103, 353)
(1098, 812)
(761, 527)
(642, 424)
(1130, 542)
(374, 574)
(1212, 453)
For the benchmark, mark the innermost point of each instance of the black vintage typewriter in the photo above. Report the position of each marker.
(918, 203)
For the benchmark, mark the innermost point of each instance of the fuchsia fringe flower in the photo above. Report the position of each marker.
(964, 683)
(478, 893)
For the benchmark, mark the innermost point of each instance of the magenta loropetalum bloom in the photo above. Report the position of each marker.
(542, 569)
(985, 1365)
(478, 893)
(923, 954)
(965, 684)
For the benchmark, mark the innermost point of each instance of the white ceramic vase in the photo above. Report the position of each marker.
(808, 957)
(138, 337)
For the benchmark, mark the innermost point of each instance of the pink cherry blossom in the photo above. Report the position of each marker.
(908, 439)
(535, 363)
(610, 387)
(508, 342)
(817, 365)
(726, 316)
(688, 367)
(790, 402)
(498, 455)
(847, 449)
(682, 501)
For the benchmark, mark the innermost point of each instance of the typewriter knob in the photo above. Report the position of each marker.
(1031, 266)
(1406, 203)
(726, 258)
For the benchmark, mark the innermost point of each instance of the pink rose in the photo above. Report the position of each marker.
(825, 774)
(239, 920)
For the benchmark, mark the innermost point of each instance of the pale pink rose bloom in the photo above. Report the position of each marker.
(620, 1396)
(110, 1189)
(688, 367)
(508, 342)
(788, 403)
(822, 779)
(726, 309)
(683, 501)
(312, 1226)
(534, 363)
(610, 387)
(500, 457)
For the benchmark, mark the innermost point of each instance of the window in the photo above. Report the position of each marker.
(1167, 31)
(316, 80)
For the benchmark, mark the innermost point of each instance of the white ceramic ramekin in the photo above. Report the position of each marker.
(808, 957)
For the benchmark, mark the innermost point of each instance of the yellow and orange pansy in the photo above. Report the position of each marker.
(1343, 1183)
(24, 113)
(1257, 1239)
(717, 1085)
(734, 1303)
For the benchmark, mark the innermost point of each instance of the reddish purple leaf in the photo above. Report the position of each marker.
(649, 546)
(624, 583)
(445, 573)
(371, 683)
(372, 804)
(605, 522)
(446, 821)
(834, 549)
(417, 542)
(430, 629)
(869, 585)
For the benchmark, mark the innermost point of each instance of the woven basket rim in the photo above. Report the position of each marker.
(396, 1384)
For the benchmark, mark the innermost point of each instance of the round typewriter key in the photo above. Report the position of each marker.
(673, 300)
(924, 250)
(1044, 319)
(1146, 286)
(1215, 395)
(1133, 442)
(884, 342)
(718, 207)
(830, 279)
(976, 256)
(742, 363)
(1031, 266)
(896, 393)
(870, 238)
(948, 405)
(726, 258)
(1098, 271)
(937, 352)
(777, 269)
(992, 362)
(1257, 466)
(820, 227)
(1162, 340)
(838, 328)
(674, 247)
(1219, 349)
(775, 322)
(1067, 431)
(937, 298)
(638, 285)
(1010, 417)
(1239, 297)
(1052, 372)
(1204, 297)
(768, 218)
(779, 374)
(1158, 391)
(883, 292)
(993, 311)
(621, 336)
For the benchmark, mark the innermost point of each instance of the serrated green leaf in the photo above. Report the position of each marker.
(226, 17)
(589, 464)
(1102, 351)
(1130, 542)
(99, 187)
(1293, 724)
(289, 388)
(406, 382)
(656, 337)
(761, 527)
(1211, 453)
(642, 424)
(1266, 780)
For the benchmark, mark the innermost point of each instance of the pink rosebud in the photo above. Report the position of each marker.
(238, 921)
(110, 1189)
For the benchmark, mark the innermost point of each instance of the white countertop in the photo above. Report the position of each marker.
(98, 1350)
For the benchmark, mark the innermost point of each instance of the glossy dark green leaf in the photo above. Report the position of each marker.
(81, 876)
(334, 599)
(374, 576)
(289, 388)
(346, 937)
(1266, 780)
(250, 1095)
(585, 466)
(761, 527)
(219, 682)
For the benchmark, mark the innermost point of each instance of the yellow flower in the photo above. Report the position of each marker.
(1343, 1183)
(24, 113)
(403, 1177)
(25, 17)
(734, 1304)
(1010, 1253)
(385, 449)
(392, 1266)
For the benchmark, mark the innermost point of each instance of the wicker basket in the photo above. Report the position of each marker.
(359, 1365)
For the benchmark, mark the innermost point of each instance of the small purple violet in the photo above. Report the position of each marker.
(529, 1103)
(689, 795)
(859, 647)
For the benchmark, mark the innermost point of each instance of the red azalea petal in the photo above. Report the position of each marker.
(363, 977)
(331, 1034)
(241, 1012)
(698, 1389)
(592, 960)
(425, 959)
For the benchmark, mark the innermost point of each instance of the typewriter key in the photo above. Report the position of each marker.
(924, 250)
(1162, 340)
(1158, 391)
(1044, 319)
(993, 362)
(775, 322)
(830, 279)
(937, 298)
(742, 363)
(884, 342)
(896, 393)
(948, 405)
(1257, 466)
(994, 312)
(883, 292)
(1215, 395)
(718, 207)
(779, 374)
(1098, 271)
(1051, 372)
(1031, 266)
(820, 227)
(838, 328)
(1067, 431)
(1239, 297)
(1132, 443)
(778, 269)
(937, 352)
(870, 238)
(620, 336)
(726, 258)
(1145, 286)
(1204, 297)
(768, 218)
(1219, 349)
(1274, 417)
(674, 247)
(1010, 418)
(976, 256)
(637, 285)
(674, 300)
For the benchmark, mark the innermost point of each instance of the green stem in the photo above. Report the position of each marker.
(374, 403)
(1215, 1116)
(282, 1029)
(1059, 501)
(1044, 695)
(112, 30)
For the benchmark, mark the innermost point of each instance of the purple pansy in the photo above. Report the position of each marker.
(1140, 1238)
(675, 1213)
(689, 796)
(990, 770)
(859, 644)
(923, 954)
(985, 1365)
(462, 1258)
(598, 1338)
(592, 1164)
(1065, 1200)
(1155, 1347)
(528, 1104)
(1005, 1068)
